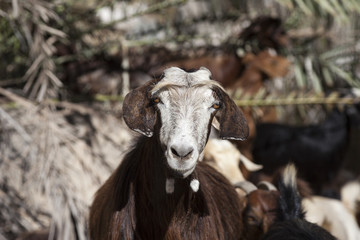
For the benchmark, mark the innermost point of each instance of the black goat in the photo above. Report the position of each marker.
(316, 150)
(290, 223)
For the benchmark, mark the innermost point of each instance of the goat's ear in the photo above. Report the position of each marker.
(138, 112)
(233, 125)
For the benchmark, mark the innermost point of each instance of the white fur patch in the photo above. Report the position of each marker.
(195, 184)
(147, 134)
(170, 185)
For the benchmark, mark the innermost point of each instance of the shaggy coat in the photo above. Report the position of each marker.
(133, 204)
(155, 193)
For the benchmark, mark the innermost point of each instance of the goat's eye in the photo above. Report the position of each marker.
(251, 220)
(216, 105)
(156, 100)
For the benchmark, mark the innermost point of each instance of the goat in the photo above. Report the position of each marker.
(350, 196)
(148, 196)
(310, 147)
(248, 73)
(332, 215)
(290, 223)
(225, 68)
(226, 158)
(266, 32)
(260, 207)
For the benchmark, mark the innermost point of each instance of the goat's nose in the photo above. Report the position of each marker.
(181, 150)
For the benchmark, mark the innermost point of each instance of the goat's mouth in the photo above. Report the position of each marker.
(181, 168)
(179, 173)
(182, 173)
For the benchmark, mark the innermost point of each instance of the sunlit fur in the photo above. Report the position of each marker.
(186, 101)
(133, 202)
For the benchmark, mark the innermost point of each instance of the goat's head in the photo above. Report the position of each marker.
(184, 104)
(260, 207)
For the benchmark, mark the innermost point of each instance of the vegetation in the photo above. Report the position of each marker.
(47, 45)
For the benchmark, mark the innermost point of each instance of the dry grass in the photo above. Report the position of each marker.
(53, 159)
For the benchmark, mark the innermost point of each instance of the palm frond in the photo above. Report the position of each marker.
(340, 10)
(32, 19)
(298, 99)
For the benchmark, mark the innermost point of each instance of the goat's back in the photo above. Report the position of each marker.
(290, 223)
(297, 229)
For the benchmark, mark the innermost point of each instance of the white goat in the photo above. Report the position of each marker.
(225, 157)
(332, 215)
(350, 196)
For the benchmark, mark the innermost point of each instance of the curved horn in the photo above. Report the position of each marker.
(265, 185)
(246, 186)
(250, 165)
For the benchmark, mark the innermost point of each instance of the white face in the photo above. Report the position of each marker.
(186, 103)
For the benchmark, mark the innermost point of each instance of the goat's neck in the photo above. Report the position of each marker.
(153, 172)
(155, 207)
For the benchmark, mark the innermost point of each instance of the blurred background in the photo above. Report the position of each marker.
(66, 65)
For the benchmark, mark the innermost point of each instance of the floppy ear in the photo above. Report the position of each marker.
(138, 112)
(233, 124)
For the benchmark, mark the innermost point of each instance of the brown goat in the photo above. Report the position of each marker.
(171, 113)
(260, 208)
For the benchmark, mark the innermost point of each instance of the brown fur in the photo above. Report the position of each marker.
(138, 103)
(233, 124)
(303, 186)
(36, 235)
(133, 204)
(260, 212)
(225, 68)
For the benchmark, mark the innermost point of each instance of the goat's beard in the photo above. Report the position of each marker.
(179, 168)
(181, 174)
(174, 175)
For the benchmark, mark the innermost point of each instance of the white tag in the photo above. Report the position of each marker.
(170, 185)
(194, 184)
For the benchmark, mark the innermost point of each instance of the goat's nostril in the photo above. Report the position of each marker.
(174, 152)
(181, 151)
(189, 152)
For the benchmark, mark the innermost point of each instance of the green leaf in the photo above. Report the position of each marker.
(316, 83)
(354, 5)
(343, 74)
(340, 10)
(327, 77)
(336, 51)
(287, 3)
(299, 75)
(311, 5)
(260, 94)
(327, 7)
(303, 7)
